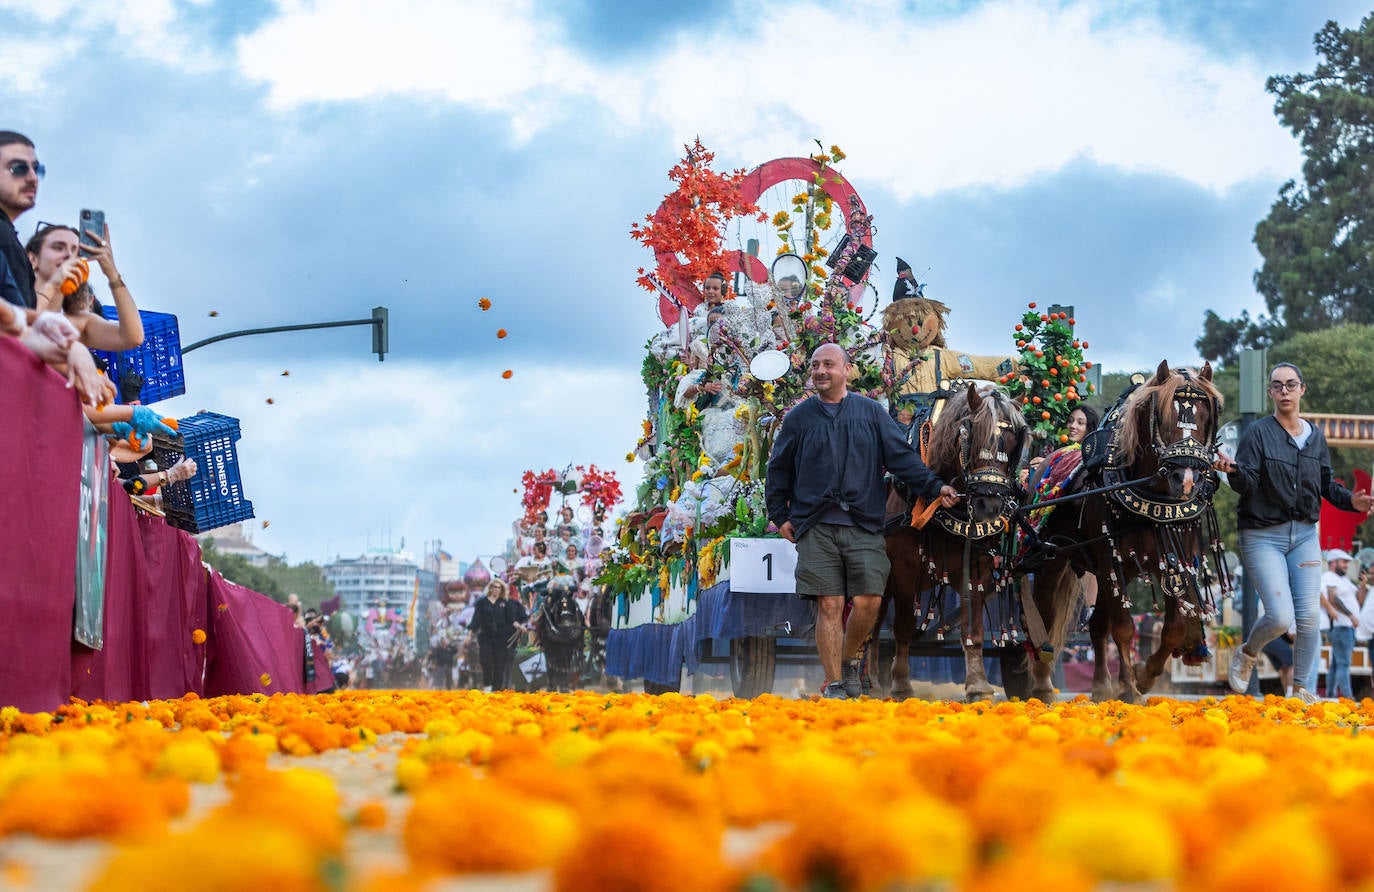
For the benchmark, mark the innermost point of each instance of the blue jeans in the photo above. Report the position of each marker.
(1284, 564)
(1338, 676)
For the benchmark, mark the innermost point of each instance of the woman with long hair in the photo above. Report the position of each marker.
(1282, 471)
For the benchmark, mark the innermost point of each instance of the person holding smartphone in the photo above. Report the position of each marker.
(54, 246)
(1282, 471)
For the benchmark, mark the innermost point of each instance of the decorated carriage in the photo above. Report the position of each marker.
(697, 574)
(554, 555)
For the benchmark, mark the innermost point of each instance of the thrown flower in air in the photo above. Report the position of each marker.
(507, 373)
(485, 304)
(198, 636)
(286, 373)
(270, 401)
(501, 332)
(265, 679)
(214, 313)
(266, 524)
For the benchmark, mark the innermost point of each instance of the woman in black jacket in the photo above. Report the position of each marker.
(495, 621)
(1281, 472)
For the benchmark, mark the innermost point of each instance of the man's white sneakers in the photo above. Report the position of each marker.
(1242, 667)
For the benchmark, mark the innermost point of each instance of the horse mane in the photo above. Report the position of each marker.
(1135, 417)
(997, 407)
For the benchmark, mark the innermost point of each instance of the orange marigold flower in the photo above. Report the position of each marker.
(507, 373)
(485, 304)
(265, 679)
(198, 636)
(501, 332)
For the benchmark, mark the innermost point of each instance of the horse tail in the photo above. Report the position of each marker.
(1064, 600)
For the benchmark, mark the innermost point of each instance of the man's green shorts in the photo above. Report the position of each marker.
(837, 559)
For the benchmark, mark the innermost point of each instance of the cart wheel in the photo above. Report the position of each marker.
(753, 666)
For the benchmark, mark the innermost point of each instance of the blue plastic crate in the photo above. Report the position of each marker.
(158, 359)
(214, 497)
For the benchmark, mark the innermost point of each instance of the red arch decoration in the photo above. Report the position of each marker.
(756, 182)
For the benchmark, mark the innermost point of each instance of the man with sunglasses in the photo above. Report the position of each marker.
(19, 176)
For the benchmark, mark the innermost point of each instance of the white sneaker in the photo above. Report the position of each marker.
(1242, 667)
(1306, 696)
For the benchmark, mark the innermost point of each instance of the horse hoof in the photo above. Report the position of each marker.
(900, 694)
(1144, 681)
(1103, 692)
(1046, 696)
(974, 694)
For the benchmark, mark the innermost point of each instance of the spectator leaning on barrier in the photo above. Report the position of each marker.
(825, 492)
(19, 176)
(1340, 600)
(50, 249)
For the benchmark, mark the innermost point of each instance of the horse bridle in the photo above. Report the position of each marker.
(1190, 451)
(989, 480)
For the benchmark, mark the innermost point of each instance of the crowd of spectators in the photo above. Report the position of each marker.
(50, 305)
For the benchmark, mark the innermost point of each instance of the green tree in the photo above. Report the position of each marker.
(1318, 240)
(276, 580)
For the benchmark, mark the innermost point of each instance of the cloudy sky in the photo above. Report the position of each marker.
(306, 160)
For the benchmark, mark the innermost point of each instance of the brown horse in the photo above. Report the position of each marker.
(1161, 531)
(975, 446)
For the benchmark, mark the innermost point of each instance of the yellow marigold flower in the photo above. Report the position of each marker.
(837, 154)
(198, 636)
(630, 457)
(782, 218)
(190, 760)
(265, 680)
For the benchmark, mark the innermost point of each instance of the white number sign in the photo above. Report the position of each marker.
(763, 566)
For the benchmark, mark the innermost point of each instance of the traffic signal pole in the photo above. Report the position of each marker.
(379, 321)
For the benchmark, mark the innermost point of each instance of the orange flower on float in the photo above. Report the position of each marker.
(485, 304)
(198, 636)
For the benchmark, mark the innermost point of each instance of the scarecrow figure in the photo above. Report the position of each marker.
(923, 365)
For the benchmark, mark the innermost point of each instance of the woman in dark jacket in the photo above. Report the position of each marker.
(1281, 472)
(495, 621)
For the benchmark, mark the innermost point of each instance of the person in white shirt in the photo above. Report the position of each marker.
(1340, 601)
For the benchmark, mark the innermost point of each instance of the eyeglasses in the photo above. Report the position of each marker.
(1281, 386)
(20, 168)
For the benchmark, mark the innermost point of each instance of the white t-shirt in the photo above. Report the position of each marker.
(1345, 594)
(1364, 632)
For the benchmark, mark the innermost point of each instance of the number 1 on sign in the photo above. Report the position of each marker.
(768, 565)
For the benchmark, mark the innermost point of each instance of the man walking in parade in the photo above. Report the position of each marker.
(825, 492)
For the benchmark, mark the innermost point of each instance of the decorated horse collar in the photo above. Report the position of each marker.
(1153, 507)
(957, 521)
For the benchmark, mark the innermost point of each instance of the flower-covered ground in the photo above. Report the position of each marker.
(463, 790)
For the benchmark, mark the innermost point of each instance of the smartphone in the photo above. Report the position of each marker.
(92, 222)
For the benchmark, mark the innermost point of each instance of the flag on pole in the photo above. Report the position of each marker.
(410, 614)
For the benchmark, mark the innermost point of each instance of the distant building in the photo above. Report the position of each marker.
(236, 539)
(380, 577)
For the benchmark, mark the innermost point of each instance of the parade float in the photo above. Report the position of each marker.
(695, 571)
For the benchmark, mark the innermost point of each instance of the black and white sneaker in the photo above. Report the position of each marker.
(852, 679)
(834, 691)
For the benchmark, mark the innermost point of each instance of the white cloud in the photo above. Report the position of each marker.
(431, 451)
(494, 56)
(1002, 94)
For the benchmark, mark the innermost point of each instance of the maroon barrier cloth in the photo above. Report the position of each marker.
(40, 491)
(324, 673)
(253, 636)
(155, 597)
